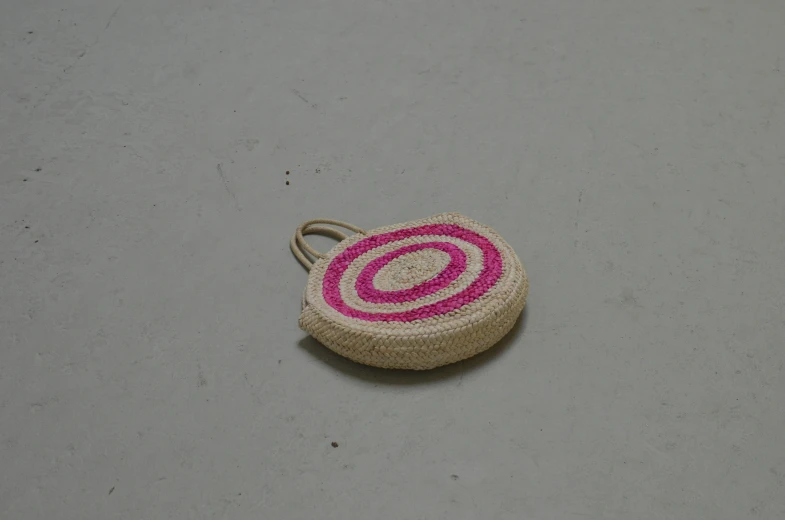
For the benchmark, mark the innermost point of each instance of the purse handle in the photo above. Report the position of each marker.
(300, 246)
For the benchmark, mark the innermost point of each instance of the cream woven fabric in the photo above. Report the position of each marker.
(416, 295)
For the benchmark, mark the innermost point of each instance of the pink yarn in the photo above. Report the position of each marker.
(369, 293)
(489, 275)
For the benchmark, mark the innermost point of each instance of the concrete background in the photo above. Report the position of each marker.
(631, 151)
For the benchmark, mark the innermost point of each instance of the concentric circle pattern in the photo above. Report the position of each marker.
(416, 295)
(411, 267)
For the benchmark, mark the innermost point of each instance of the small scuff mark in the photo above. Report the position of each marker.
(299, 95)
(225, 182)
(201, 380)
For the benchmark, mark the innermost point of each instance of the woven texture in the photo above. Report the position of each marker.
(416, 295)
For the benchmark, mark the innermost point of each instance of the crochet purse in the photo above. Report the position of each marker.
(416, 295)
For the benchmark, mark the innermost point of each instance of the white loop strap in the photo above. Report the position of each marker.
(299, 246)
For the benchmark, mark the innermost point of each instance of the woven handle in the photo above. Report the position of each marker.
(300, 246)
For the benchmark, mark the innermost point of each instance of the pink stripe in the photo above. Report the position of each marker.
(369, 293)
(491, 271)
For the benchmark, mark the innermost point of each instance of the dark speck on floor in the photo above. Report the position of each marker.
(38, 169)
(454, 477)
(287, 183)
(111, 490)
(334, 444)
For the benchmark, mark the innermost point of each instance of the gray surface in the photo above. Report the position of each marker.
(631, 151)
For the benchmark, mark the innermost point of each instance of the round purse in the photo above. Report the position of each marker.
(416, 295)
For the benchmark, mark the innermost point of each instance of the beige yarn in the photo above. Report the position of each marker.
(420, 344)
